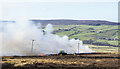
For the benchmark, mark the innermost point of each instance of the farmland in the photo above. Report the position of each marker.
(103, 37)
(103, 33)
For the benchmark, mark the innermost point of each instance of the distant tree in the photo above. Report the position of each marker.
(101, 43)
(75, 38)
(90, 29)
(97, 24)
(88, 41)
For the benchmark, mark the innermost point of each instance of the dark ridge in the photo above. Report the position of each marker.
(5, 21)
(74, 22)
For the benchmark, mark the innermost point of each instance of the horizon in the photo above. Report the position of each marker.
(61, 19)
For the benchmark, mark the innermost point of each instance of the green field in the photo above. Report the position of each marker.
(107, 49)
(99, 38)
(108, 33)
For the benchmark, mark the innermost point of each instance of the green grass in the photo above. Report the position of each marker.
(108, 31)
(103, 48)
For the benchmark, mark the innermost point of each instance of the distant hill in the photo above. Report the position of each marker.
(75, 22)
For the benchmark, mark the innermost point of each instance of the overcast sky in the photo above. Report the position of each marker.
(60, 9)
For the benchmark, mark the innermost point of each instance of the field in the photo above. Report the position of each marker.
(106, 49)
(83, 61)
(102, 38)
(102, 33)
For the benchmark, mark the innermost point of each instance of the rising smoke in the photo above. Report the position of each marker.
(17, 40)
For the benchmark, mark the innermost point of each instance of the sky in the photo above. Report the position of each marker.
(59, 0)
(60, 9)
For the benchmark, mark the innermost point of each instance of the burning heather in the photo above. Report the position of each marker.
(18, 39)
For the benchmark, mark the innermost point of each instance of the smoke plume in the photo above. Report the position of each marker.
(17, 40)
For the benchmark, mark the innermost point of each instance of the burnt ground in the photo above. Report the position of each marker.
(82, 61)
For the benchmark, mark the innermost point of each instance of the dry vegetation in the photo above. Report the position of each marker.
(84, 61)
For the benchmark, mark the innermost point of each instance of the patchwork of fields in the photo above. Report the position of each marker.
(103, 37)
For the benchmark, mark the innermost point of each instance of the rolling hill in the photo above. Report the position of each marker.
(75, 22)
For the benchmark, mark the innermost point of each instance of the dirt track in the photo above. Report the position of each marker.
(83, 61)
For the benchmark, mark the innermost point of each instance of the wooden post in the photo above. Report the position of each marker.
(78, 47)
(32, 46)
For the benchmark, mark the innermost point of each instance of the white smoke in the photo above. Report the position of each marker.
(17, 40)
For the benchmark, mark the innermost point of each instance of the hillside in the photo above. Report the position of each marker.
(96, 35)
(95, 32)
(75, 22)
